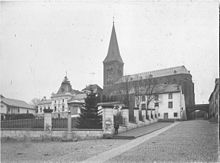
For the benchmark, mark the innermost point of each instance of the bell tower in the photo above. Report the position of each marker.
(113, 63)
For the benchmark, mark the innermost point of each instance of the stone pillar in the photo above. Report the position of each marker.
(69, 126)
(149, 114)
(108, 121)
(47, 121)
(136, 114)
(144, 115)
(125, 115)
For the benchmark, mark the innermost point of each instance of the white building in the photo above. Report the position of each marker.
(59, 101)
(167, 102)
(14, 106)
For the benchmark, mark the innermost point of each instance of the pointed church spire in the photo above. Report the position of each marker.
(113, 49)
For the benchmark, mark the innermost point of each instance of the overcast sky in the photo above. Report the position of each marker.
(42, 40)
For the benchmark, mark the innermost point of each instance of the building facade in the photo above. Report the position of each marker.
(116, 85)
(14, 106)
(214, 101)
(59, 102)
(67, 99)
(166, 102)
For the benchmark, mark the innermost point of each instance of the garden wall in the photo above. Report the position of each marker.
(23, 134)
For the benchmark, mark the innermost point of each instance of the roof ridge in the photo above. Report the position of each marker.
(155, 70)
(14, 99)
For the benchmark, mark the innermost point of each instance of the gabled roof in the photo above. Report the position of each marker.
(113, 49)
(16, 103)
(154, 74)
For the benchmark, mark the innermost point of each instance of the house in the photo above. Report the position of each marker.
(67, 99)
(214, 101)
(14, 106)
(59, 101)
(166, 101)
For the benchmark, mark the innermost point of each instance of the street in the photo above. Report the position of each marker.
(186, 142)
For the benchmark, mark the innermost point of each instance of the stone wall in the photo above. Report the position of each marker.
(49, 135)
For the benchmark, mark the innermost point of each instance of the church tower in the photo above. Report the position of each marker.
(113, 63)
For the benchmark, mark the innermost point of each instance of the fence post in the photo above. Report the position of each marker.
(69, 123)
(108, 121)
(47, 121)
(136, 114)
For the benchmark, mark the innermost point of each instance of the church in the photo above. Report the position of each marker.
(127, 89)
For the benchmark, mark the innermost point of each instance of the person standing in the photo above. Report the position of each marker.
(116, 126)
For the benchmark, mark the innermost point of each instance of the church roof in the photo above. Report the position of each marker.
(16, 103)
(113, 49)
(154, 74)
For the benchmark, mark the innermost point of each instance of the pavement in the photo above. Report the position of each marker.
(137, 132)
(189, 141)
(102, 157)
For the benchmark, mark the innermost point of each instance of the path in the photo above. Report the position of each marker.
(123, 148)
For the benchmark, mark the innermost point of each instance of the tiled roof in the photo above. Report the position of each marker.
(16, 103)
(166, 88)
(154, 74)
(113, 49)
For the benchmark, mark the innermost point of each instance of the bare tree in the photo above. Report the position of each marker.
(35, 102)
(145, 87)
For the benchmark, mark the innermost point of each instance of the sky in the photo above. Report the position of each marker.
(41, 41)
